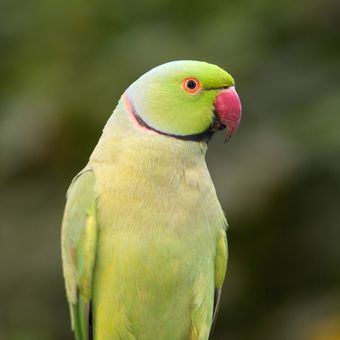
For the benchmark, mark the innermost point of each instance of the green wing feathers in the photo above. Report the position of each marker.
(221, 260)
(79, 241)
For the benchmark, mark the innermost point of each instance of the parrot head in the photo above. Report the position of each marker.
(188, 100)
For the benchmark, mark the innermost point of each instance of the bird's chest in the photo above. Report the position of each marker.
(155, 199)
(157, 240)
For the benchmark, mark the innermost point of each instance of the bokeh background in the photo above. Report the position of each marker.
(63, 67)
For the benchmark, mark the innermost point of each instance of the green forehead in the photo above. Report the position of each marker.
(208, 74)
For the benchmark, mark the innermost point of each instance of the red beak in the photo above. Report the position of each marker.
(228, 110)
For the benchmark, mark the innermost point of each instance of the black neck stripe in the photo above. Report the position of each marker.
(204, 136)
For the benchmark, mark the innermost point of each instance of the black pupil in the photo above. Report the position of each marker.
(191, 84)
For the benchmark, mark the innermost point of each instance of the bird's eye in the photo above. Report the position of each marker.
(191, 85)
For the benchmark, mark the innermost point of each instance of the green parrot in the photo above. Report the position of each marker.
(144, 245)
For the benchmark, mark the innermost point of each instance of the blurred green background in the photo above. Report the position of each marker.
(63, 67)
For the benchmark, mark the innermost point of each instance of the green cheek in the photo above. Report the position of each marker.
(185, 115)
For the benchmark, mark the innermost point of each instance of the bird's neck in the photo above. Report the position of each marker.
(151, 175)
(124, 141)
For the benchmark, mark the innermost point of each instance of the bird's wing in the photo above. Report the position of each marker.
(79, 242)
(220, 271)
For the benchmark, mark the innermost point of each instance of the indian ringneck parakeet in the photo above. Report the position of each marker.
(144, 243)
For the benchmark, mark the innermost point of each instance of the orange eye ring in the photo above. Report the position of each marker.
(191, 85)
